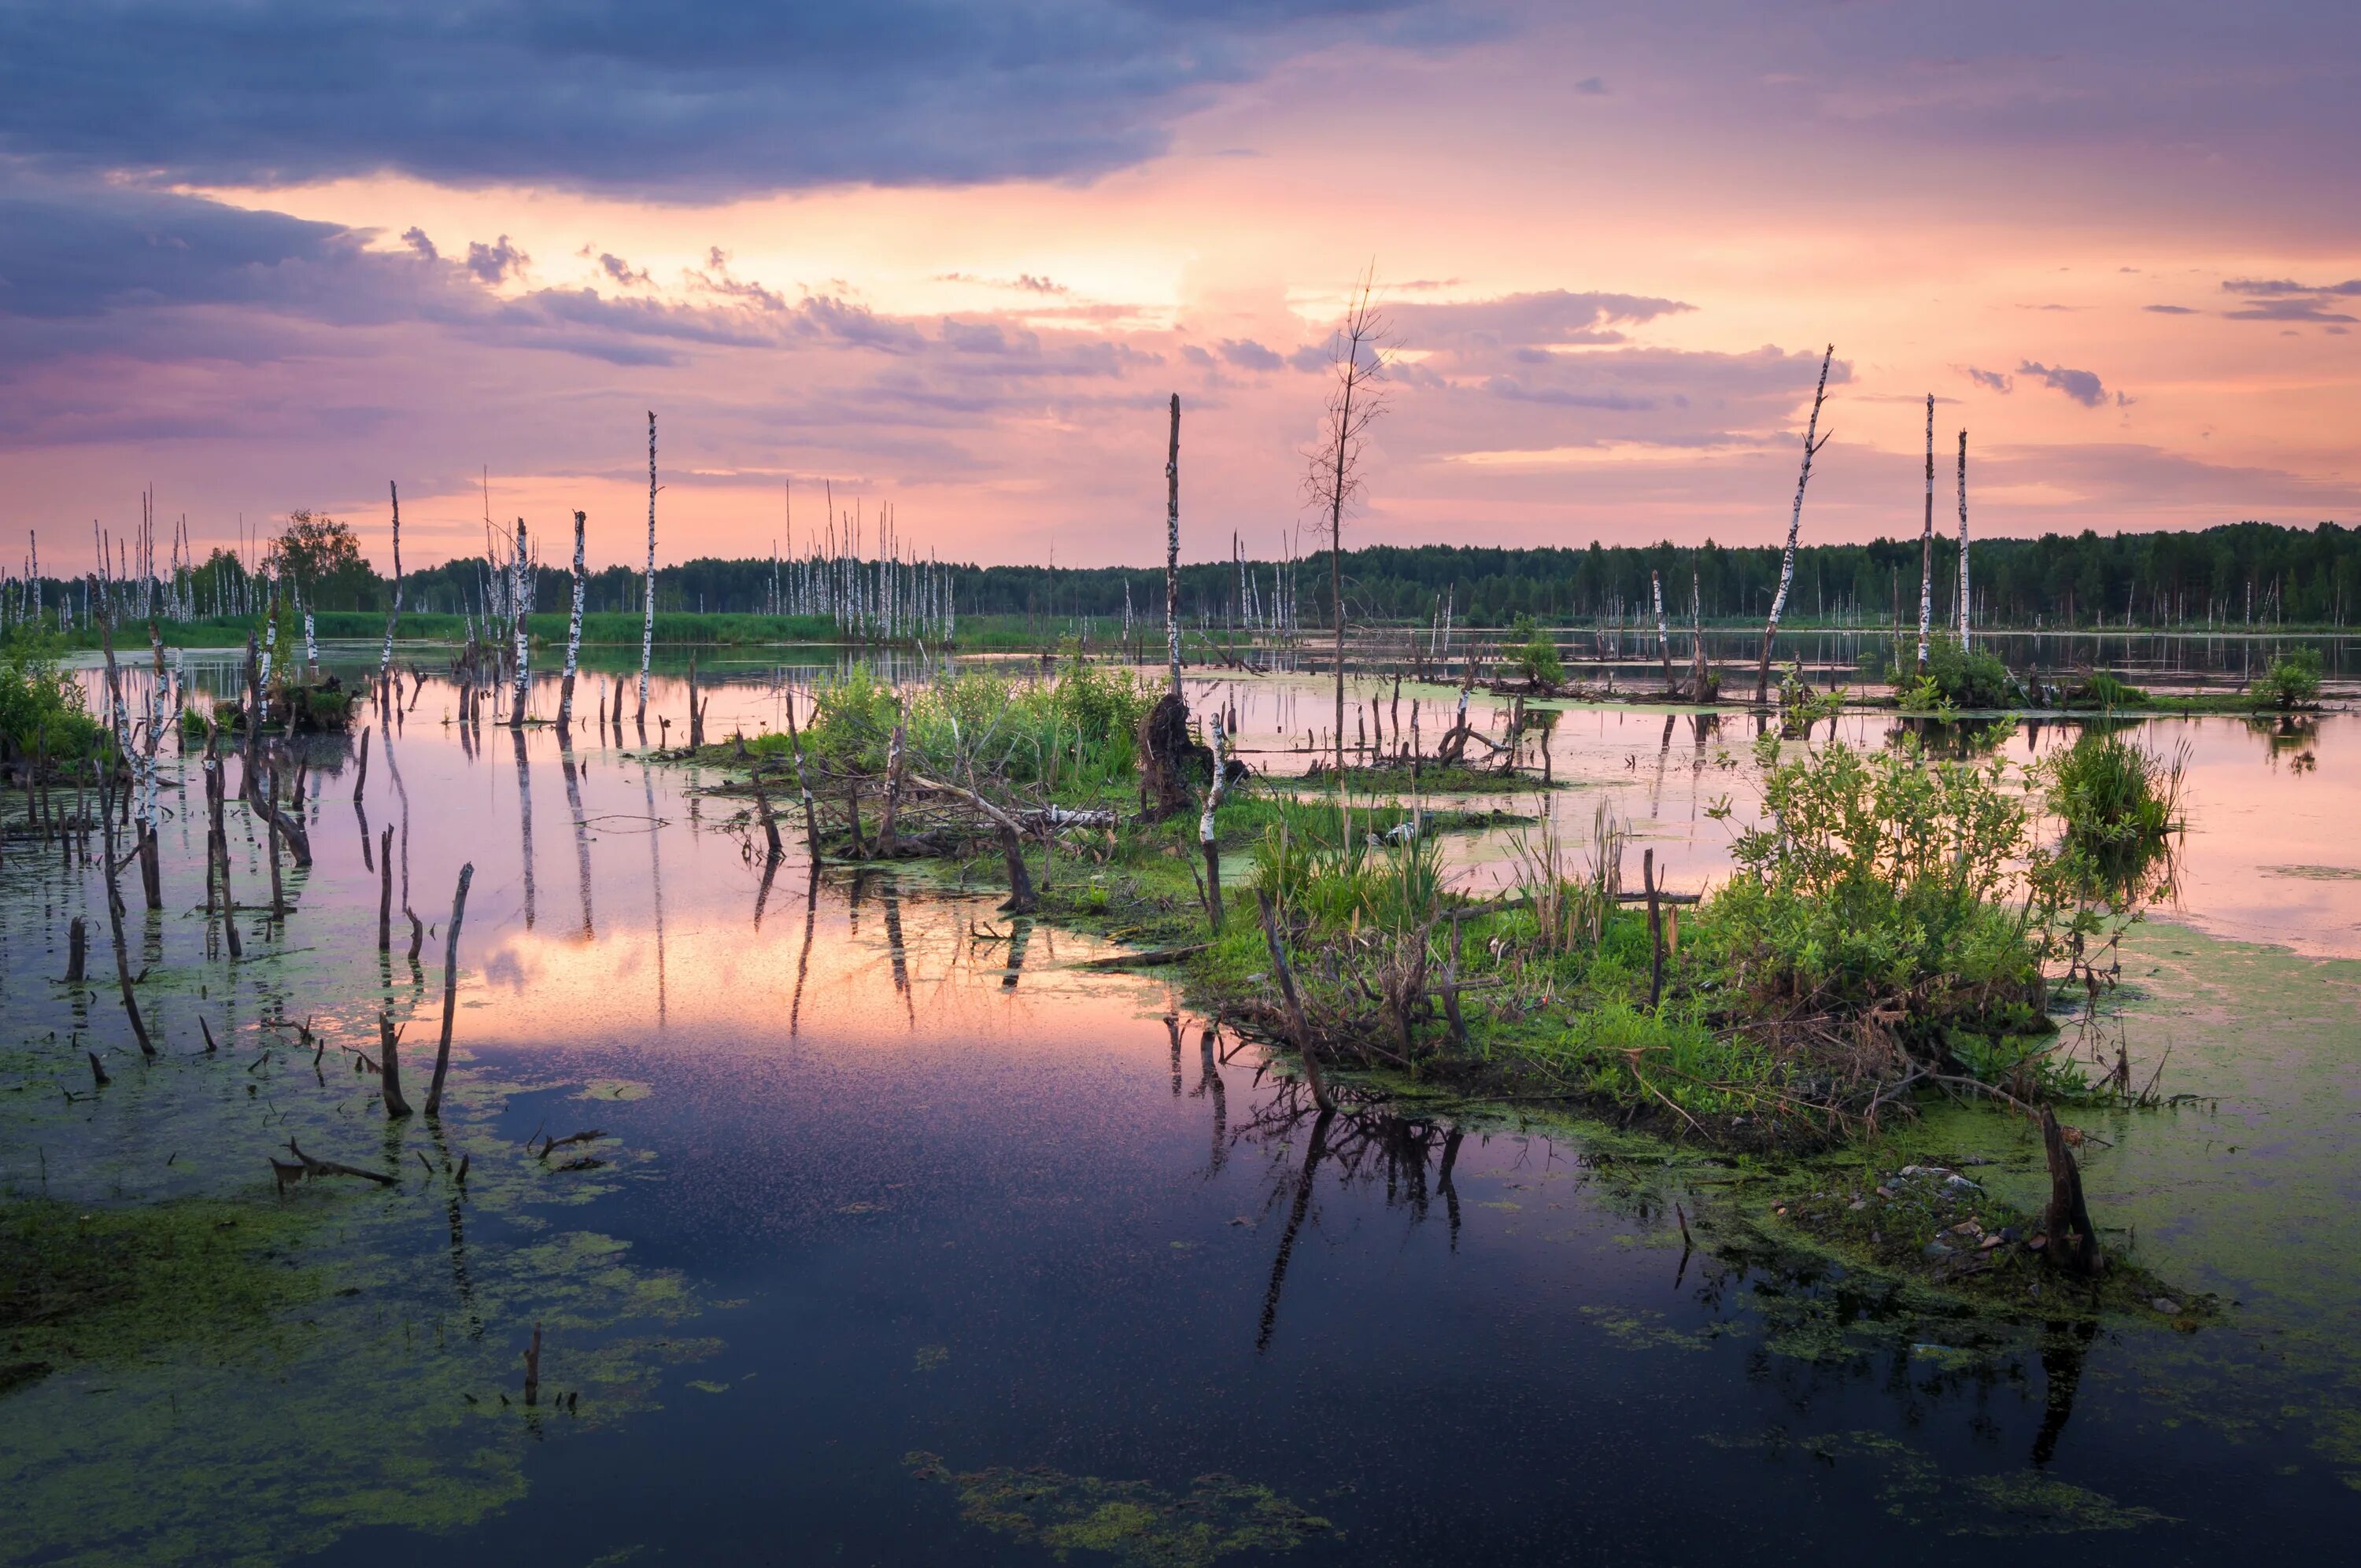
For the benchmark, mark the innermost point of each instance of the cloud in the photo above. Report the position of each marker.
(2315, 308)
(1991, 381)
(2351, 286)
(495, 263)
(1248, 355)
(1591, 87)
(416, 239)
(2169, 309)
(1548, 316)
(701, 99)
(621, 271)
(2083, 386)
(717, 280)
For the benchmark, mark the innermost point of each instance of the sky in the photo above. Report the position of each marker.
(954, 260)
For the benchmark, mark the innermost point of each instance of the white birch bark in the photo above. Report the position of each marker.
(1794, 523)
(1172, 548)
(385, 658)
(518, 604)
(648, 594)
(1966, 604)
(573, 635)
(1927, 546)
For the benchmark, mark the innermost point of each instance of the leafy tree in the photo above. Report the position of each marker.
(322, 556)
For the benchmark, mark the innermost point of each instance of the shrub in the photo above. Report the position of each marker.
(1956, 677)
(1875, 875)
(1534, 655)
(41, 705)
(2294, 678)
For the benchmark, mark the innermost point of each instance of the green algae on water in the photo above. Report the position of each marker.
(1132, 1522)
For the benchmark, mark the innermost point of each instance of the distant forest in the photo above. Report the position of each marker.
(2240, 574)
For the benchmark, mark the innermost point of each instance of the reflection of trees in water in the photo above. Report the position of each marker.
(1359, 1144)
(2288, 737)
(1817, 1329)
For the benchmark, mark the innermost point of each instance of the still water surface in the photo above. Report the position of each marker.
(926, 1248)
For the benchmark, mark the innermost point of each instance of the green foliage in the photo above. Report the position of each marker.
(1875, 873)
(1073, 731)
(2294, 678)
(41, 705)
(2104, 689)
(322, 556)
(1956, 677)
(2109, 792)
(1534, 655)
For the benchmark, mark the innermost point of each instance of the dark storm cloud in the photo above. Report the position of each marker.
(694, 100)
(79, 253)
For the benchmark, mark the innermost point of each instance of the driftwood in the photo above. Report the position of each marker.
(316, 1167)
(390, 1048)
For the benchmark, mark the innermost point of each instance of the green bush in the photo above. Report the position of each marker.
(42, 706)
(1875, 876)
(1956, 677)
(1534, 655)
(2294, 678)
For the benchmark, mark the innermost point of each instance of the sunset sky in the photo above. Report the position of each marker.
(954, 258)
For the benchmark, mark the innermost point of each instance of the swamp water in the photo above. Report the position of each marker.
(904, 1246)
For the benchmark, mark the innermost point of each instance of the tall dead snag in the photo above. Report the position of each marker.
(1663, 633)
(388, 1041)
(1967, 603)
(450, 988)
(1794, 523)
(385, 658)
(572, 634)
(1205, 834)
(648, 590)
(803, 786)
(115, 922)
(1172, 548)
(1700, 687)
(2073, 1245)
(1356, 395)
(1927, 546)
(385, 890)
(520, 603)
(1294, 1004)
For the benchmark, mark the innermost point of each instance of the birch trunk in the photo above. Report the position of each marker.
(1172, 548)
(572, 634)
(1663, 628)
(648, 593)
(1205, 839)
(1927, 544)
(385, 658)
(1965, 603)
(523, 642)
(1794, 523)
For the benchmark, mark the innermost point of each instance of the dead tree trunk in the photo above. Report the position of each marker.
(1663, 633)
(1927, 546)
(1205, 832)
(450, 989)
(1294, 1004)
(1812, 444)
(572, 634)
(2073, 1246)
(1172, 549)
(389, 1061)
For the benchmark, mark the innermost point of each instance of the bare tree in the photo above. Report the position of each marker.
(1966, 602)
(648, 593)
(385, 659)
(1172, 548)
(1927, 544)
(1813, 442)
(1356, 397)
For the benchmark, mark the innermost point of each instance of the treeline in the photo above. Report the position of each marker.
(2241, 573)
